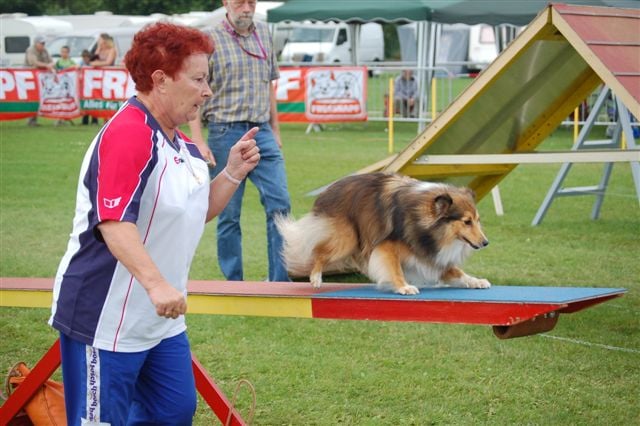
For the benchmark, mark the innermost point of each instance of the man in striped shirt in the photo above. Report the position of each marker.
(240, 73)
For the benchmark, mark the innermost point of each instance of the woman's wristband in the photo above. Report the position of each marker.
(230, 178)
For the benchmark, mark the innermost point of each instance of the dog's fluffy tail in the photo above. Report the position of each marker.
(300, 238)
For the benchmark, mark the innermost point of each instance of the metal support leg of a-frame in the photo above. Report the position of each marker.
(623, 126)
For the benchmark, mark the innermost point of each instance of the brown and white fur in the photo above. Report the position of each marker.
(399, 231)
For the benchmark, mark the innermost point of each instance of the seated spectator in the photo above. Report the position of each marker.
(405, 92)
(37, 56)
(106, 53)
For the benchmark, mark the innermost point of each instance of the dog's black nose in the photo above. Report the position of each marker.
(485, 243)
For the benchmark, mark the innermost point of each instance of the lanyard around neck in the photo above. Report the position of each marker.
(234, 34)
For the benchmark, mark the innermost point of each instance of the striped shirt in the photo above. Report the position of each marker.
(241, 69)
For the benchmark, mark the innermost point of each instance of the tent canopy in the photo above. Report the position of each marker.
(493, 12)
(353, 11)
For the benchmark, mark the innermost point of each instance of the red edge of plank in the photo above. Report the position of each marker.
(583, 304)
(483, 313)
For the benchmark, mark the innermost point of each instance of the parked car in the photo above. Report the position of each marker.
(88, 39)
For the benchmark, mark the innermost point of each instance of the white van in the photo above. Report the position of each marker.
(15, 37)
(460, 48)
(466, 48)
(331, 43)
(482, 47)
(17, 33)
(281, 34)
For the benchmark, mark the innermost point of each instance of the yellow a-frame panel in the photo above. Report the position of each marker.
(526, 93)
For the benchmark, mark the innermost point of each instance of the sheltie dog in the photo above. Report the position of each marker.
(401, 232)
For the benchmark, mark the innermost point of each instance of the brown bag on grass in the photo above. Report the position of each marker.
(46, 407)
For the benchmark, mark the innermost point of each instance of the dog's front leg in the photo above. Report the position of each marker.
(456, 277)
(385, 268)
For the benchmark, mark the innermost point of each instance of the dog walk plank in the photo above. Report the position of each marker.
(496, 306)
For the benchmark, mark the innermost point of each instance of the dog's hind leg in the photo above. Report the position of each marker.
(333, 252)
(321, 255)
(385, 267)
(456, 277)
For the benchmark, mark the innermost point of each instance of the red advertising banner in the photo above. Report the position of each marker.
(67, 94)
(59, 94)
(304, 94)
(322, 94)
(104, 90)
(19, 93)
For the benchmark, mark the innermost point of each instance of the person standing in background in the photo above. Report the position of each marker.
(106, 53)
(37, 56)
(241, 70)
(86, 58)
(65, 61)
(86, 62)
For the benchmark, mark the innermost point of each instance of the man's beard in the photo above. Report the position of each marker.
(243, 22)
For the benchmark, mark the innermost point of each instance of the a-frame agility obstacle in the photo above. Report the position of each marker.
(496, 123)
(560, 59)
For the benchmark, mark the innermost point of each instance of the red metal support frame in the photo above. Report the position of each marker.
(214, 397)
(36, 378)
(49, 363)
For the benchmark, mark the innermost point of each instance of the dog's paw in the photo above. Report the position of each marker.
(473, 282)
(482, 283)
(316, 280)
(407, 290)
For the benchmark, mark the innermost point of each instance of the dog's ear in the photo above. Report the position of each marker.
(441, 204)
(470, 192)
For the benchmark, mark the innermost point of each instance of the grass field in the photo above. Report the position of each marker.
(324, 372)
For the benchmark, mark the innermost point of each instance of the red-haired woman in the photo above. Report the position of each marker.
(143, 199)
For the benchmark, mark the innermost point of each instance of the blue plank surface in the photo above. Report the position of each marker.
(506, 294)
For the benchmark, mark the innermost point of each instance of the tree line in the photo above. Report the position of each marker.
(144, 7)
(117, 7)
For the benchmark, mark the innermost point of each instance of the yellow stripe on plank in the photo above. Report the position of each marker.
(292, 307)
(26, 298)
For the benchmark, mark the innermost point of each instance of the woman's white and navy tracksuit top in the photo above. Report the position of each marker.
(132, 173)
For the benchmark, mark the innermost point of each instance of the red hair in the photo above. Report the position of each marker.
(163, 46)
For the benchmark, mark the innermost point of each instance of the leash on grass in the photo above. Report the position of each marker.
(232, 408)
